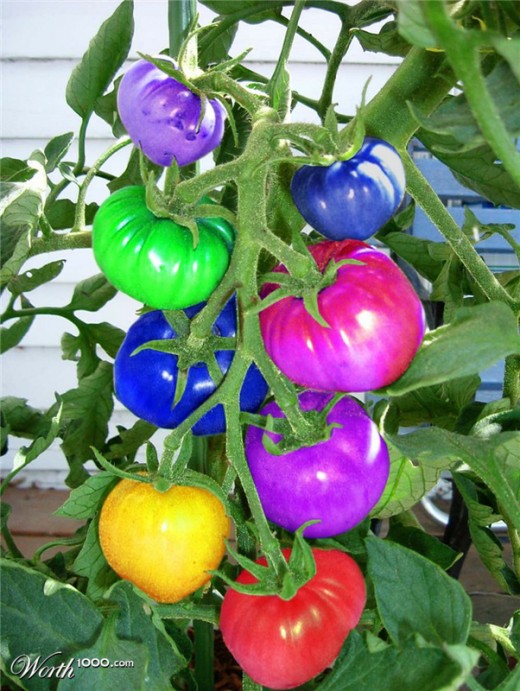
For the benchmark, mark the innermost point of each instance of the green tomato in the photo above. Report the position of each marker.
(153, 259)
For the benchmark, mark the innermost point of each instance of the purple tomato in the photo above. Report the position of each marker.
(337, 482)
(376, 324)
(161, 115)
(354, 198)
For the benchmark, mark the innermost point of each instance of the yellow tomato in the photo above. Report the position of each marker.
(163, 542)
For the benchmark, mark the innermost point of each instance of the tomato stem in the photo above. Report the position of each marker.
(424, 195)
(79, 220)
(512, 379)
(464, 55)
(180, 16)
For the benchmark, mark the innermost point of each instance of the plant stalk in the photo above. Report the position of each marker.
(180, 17)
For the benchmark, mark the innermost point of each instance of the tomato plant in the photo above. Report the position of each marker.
(166, 543)
(146, 382)
(375, 324)
(250, 369)
(352, 198)
(153, 259)
(165, 119)
(337, 482)
(284, 643)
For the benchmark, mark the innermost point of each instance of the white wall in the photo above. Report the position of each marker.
(41, 41)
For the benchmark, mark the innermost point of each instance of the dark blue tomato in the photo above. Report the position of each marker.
(351, 199)
(145, 383)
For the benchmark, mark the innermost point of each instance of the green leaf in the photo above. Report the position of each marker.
(440, 404)
(85, 501)
(109, 647)
(21, 204)
(406, 485)
(152, 458)
(5, 512)
(16, 260)
(106, 108)
(473, 227)
(11, 336)
(388, 40)
(132, 173)
(417, 252)
(512, 682)
(167, 65)
(264, 8)
(22, 419)
(408, 668)
(192, 478)
(352, 542)
(509, 49)
(27, 454)
(34, 278)
(494, 460)
(109, 337)
(91, 294)
(106, 53)
(436, 606)
(86, 412)
(91, 564)
(455, 117)
(477, 337)
(61, 214)
(449, 287)
(489, 547)
(40, 617)
(475, 168)
(126, 443)
(331, 122)
(214, 42)
(421, 542)
(56, 150)
(412, 24)
(80, 349)
(137, 621)
(15, 170)
(280, 91)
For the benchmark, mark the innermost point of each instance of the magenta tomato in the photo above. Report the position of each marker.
(284, 643)
(376, 324)
(337, 482)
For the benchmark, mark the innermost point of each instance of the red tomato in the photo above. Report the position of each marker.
(284, 643)
(376, 324)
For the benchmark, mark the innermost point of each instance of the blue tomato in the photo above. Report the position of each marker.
(351, 199)
(145, 382)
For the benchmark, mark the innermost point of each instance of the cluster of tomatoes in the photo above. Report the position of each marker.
(375, 324)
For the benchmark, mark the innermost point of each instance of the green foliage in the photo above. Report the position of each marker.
(36, 624)
(436, 607)
(21, 203)
(406, 668)
(488, 545)
(417, 630)
(468, 344)
(105, 55)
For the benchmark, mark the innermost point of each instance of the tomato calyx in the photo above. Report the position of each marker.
(299, 569)
(307, 289)
(192, 351)
(280, 437)
(168, 205)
